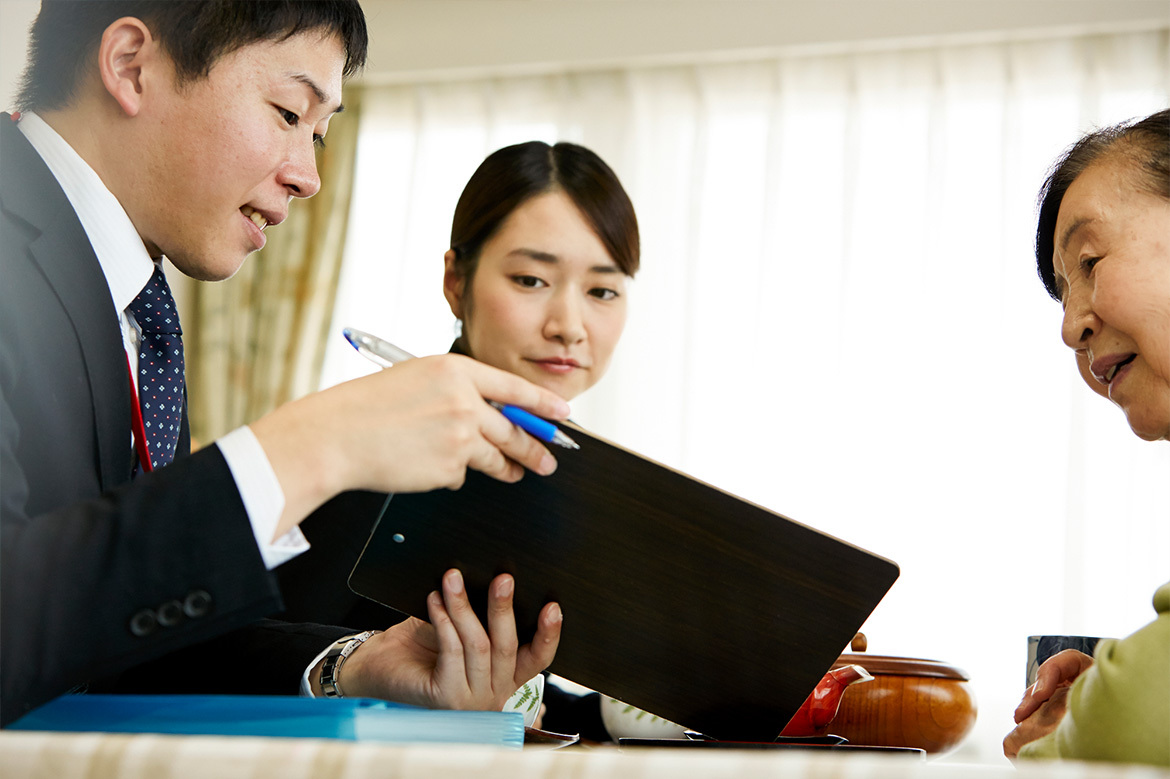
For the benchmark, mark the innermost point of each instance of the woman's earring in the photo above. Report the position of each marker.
(458, 328)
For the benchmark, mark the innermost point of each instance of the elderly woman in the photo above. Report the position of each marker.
(1103, 251)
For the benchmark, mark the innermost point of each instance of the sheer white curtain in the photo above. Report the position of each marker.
(837, 316)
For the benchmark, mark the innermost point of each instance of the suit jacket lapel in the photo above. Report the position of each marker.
(65, 257)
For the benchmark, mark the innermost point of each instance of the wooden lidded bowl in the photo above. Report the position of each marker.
(925, 704)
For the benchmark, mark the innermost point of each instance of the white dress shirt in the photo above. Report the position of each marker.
(127, 267)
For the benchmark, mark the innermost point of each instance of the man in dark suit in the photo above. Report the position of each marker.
(152, 129)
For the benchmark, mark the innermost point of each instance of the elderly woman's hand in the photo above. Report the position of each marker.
(1043, 720)
(1046, 701)
(1056, 673)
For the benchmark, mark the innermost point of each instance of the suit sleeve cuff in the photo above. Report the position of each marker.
(262, 496)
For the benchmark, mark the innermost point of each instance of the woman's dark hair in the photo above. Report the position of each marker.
(1144, 143)
(514, 174)
(194, 33)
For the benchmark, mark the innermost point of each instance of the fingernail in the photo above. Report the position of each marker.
(554, 614)
(455, 582)
(504, 589)
(548, 464)
(563, 410)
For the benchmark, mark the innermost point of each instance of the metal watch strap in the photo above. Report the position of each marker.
(335, 658)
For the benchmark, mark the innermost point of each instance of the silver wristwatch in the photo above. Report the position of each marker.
(335, 658)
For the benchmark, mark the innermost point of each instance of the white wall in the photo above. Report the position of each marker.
(15, 18)
(415, 39)
(425, 39)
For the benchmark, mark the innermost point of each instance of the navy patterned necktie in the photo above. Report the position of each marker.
(160, 367)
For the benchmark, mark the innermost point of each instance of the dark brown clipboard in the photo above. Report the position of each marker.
(678, 598)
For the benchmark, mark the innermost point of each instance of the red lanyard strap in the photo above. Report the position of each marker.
(136, 421)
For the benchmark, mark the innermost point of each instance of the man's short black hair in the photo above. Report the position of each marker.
(194, 33)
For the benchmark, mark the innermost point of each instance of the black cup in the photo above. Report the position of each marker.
(1040, 648)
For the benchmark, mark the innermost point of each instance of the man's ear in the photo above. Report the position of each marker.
(452, 284)
(126, 52)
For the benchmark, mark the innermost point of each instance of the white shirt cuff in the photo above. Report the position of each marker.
(306, 688)
(263, 498)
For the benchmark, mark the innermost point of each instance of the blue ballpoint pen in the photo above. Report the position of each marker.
(387, 354)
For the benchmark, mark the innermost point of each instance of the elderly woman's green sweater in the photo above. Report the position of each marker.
(1119, 709)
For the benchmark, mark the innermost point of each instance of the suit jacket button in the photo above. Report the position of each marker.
(197, 604)
(170, 614)
(143, 623)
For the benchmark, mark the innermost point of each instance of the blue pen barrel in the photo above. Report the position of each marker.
(540, 428)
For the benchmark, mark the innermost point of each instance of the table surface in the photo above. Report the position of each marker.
(97, 756)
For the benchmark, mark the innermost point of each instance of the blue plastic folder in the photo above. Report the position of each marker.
(352, 719)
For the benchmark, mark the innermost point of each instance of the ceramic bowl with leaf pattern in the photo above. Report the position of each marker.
(527, 700)
(622, 720)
